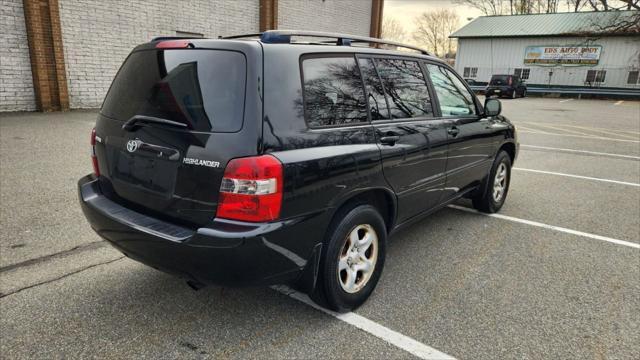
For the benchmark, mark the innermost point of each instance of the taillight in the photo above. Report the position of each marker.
(251, 189)
(174, 44)
(510, 80)
(94, 158)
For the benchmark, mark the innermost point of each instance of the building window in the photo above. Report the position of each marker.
(470, 72)
(634, 77)
(596, 76)
(522, 73)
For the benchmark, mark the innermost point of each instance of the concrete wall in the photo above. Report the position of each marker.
(346, 16)
(501, 56)
(98, 35)
(16, 85)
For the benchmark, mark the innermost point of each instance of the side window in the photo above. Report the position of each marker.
(333, 92)
(455, 99)
(375, 93)
(405, 88)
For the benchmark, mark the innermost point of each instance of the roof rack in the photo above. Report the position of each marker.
(284, 37)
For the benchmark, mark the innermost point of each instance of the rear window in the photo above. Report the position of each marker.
(204, 89)
(405, 87)
(499, 80)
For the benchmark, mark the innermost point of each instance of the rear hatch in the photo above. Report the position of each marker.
(500, 81)
(170, 122)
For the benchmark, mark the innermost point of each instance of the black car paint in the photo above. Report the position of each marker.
(324, 168)
(518, 87)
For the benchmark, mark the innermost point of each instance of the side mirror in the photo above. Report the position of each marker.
(492, 107)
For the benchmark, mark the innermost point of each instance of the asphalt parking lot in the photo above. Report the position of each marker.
(555, 275)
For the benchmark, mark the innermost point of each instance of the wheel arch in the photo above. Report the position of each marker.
(510, 148)
(383, 199)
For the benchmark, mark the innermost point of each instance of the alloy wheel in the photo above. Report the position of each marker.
(358, 257)
(500, 182)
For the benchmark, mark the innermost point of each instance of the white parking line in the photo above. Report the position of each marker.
(392, 337)
(578, 136)
(606, 130)
(580, 151)
(563, 101)
(578, 176)
(551, 227)
(619, 102)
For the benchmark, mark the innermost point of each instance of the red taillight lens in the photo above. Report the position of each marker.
(94, 158)
(251, 189)
(173, 44)
(510, 80)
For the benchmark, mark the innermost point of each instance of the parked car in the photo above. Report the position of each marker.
(506, 86)
(256, 161)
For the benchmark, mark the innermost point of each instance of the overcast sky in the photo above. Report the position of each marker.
(405, 11)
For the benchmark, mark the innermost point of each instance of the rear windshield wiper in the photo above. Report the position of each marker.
(136, 120)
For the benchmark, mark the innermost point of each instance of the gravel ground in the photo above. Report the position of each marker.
(471, 286)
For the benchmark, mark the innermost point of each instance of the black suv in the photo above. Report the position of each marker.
(506, 86)
(262, 160)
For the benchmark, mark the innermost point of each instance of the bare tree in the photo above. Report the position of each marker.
(514, 7)
(433, 29)
(393, 30)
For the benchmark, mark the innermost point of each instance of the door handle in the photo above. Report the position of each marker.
(453, 131)
(389, 140)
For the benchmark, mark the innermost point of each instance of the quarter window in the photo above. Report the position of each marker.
(455, 99)
(333, 92)
(405, 87)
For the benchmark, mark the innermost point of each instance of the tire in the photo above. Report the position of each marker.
(341, 258)
(514, 94)
(524, 93)
(491, 199)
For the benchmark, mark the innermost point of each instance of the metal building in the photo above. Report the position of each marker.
(588, 49)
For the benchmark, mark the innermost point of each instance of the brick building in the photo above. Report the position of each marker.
(61, 54)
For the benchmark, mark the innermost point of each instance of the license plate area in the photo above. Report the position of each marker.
(152, 174)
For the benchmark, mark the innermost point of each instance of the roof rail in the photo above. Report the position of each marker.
(159, 38)
(284, 37)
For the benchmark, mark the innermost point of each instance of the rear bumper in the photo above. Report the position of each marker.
(499, 91)
(228, 253)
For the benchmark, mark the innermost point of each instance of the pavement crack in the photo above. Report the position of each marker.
(62, 276)
(76, 249)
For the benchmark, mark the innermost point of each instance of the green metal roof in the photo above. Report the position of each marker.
(543, 24)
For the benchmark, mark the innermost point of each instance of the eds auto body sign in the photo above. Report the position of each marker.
(562, 55)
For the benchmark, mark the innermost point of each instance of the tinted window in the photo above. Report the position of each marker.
(333, 92)
(204, 89)
(499, 80)
(375, 93)
(405, 87)
(454, 98)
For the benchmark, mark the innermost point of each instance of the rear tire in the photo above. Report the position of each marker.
(496, 185)
(354, 257)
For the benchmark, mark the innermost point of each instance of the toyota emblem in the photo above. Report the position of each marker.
(132, 145)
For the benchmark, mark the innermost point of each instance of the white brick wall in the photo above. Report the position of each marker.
(16, 84)
(98, 35)
(345, 16)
